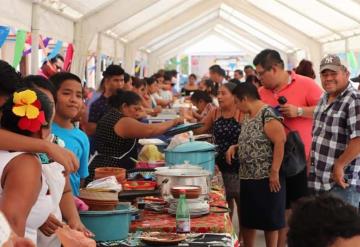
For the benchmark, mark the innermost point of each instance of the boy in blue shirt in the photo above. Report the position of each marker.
(69, 99)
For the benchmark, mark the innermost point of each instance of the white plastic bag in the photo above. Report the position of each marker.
(179, 139)
(107, 183)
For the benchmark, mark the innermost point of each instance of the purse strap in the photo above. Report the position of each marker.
(263, 119)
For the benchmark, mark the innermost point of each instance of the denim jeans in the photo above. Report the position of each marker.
(349, 195)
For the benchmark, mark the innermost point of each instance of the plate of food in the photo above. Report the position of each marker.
(139, 185)
(162, 238)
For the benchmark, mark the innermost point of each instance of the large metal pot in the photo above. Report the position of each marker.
(166, 179)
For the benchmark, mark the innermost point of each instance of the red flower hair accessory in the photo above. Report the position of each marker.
(27, 106)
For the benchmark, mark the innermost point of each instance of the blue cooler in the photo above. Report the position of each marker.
(198, 153)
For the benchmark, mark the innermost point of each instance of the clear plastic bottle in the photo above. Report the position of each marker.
(182, 215)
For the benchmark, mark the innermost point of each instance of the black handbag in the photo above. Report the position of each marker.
(294, 160)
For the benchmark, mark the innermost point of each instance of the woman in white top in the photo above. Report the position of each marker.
(23, 190)
(63, 206)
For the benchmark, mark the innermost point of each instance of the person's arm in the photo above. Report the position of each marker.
(94, 116)
(90, 128)
(141, 130)
(69, 211)
(18, 197)
(208, 123)
(163, 102)
(312, 97)
(274, 130)
(196, 115)
(231, 152)
(33, 145)
(291, 111)
(350, 153)
(84, 160)
(353, 148)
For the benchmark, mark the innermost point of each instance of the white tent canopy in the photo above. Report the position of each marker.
(157, 29)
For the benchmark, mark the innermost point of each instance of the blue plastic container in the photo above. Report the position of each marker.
(109, 225)
(195, 152)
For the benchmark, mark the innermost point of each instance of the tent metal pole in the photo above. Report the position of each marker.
(35, 17)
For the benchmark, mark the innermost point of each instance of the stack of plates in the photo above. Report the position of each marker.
(197, 207)
(99, 200)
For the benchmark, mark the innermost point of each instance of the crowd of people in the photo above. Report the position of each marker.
(63, 131)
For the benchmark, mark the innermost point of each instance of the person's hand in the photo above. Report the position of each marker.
(288, 110)
(230, 153)
(178, 121)
(274, 181)
(63, 156)
(338, 176)
(186, 113)
(79, 226)
(16, 241)
(158, 109)
(50, 225)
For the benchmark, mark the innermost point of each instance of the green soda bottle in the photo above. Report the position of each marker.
(182, 215)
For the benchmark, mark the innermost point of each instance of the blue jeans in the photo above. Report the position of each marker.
(349, 195)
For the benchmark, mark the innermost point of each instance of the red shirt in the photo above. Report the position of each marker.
(301, 92)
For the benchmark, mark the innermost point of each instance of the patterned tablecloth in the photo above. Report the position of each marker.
(218, 221)
(213, 222)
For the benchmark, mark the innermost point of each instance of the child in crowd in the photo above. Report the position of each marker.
(68, 97)
(153, 91)
(165, 89)
(10, 80)
(204, 104)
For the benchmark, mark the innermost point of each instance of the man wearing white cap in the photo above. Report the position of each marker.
(335, 160)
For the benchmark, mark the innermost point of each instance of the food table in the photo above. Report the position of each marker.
(154, 219)
(216, 225)
(218, 221)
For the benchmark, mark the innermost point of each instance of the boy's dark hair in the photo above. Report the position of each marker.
(199, 95)
(54, 59)
(239, 71)
(10, 79)
(268, 58)
(231, 86)
(167, 78)
(113, 70)
(150, 80)
(211, 86)
(246, 89)
(9, 120)
(58, 79)
(139, 83)
(157, 75)
(235, 81)
(33, 81)
(124, 97)
(218, 70)
(193, 76)
(252, 78)
(126, 77)
(248, 67)
(318, 222)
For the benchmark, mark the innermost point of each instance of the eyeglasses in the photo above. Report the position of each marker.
(261, 73)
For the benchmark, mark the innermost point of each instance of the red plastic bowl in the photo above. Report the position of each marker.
(139, 185)
(145, 164)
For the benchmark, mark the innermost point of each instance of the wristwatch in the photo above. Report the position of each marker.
(300, 111)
